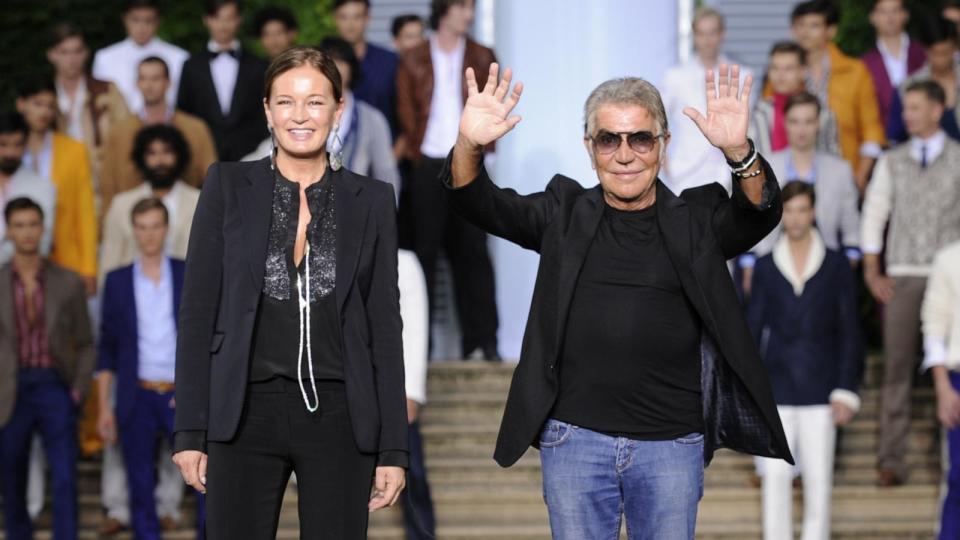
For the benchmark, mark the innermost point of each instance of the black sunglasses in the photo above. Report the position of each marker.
(641, 142)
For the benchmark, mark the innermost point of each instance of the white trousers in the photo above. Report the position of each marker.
(811, 434)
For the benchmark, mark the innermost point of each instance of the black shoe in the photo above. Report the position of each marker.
(487, 353)
(490, 353)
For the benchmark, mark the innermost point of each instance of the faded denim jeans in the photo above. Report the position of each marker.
(592, 480)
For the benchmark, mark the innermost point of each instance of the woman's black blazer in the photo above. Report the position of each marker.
(222, 286)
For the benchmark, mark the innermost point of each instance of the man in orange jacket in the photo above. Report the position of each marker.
(843, 83)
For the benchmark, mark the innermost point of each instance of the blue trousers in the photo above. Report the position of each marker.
(43, 404)
(418, 517)
(152, 417)
(950, 516)
(591, 480)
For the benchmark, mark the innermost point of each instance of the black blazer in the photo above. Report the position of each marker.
(702, 228)
(221, 291)
(238, 133)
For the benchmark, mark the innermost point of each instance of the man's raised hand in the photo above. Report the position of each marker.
(728, 111)
(486, 114)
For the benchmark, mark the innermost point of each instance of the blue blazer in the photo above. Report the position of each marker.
(118, 349)
(810, 344)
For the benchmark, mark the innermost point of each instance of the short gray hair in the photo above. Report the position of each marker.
(625, 91)
(707, 12)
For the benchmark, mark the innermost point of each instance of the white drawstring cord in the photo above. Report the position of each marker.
(303, 304)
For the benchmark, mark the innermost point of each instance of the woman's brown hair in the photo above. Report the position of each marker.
(300, 56)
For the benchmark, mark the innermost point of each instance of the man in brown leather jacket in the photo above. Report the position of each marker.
(430, 96)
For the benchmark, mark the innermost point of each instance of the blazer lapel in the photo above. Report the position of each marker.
(351, 221)
(181, 229)
(243, 68)
(51, 302)
(673, 217)
(131, 305)
(256, 204)
(584, 220)
(211, 98)
(6, 305)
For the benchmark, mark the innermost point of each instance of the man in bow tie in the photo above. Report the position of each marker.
(235, 117)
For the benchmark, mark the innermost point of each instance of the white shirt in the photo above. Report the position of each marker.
(223, 70)
(41, 163)
(691, 160)
(447, 101)
(896, 65)
(72, 109)
(118, 63)
(156, 325)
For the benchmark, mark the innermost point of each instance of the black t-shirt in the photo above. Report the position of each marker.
(630, 364)
(277, 329)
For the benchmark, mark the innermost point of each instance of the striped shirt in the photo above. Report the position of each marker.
(32, 346)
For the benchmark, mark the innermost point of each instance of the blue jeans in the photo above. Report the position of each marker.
(591, 480)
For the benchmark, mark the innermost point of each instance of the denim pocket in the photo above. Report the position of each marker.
(554, 433)
(690, 438)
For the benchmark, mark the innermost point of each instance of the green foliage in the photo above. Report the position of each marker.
(855, 35)
(25, 24)
(183, 22)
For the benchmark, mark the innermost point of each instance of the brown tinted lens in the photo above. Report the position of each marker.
(606, 142)
(641, 141)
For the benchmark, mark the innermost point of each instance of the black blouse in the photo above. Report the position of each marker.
(280, 326)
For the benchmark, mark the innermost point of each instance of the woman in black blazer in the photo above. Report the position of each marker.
(289, 355)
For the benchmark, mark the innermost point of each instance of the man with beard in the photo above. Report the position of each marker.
(160, 154)
(17, 181)
(119, 172)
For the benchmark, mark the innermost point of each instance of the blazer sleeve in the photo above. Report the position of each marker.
(199, 306)
(521, 219)
(871, 127)
(107, 343)
(383, 314)
(738, 224)
(113, 245)
(849, 336)
(406, 104)
(896, 130)
(86, 217)
(82, 336)
(849, 211)
(382, 162)
(757, 304)
(185, 90)
(205, 153)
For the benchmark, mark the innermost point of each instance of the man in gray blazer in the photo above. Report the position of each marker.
(838, 219)
(46, 362)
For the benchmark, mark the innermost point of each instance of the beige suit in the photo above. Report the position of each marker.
(119, 247)
(120, 174)
(69, 335)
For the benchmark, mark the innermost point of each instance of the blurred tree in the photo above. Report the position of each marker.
(856, 36)
(25, 24)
